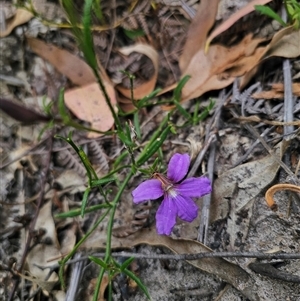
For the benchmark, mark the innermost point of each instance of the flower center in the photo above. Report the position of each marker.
(166, 184)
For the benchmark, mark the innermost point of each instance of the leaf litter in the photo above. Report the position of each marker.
(236, 191)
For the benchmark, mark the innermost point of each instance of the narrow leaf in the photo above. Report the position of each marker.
(99, 262)
(266, 10)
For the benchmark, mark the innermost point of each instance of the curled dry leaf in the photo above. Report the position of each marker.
(279, 187)
(286, 43)
(233, 19)
(88, 104)
(219, 67)
(22, 16)
(147, 87)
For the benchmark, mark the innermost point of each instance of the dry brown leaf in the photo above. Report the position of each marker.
(147, 87)
(288, 45)
(276, 92)
(285, 43)
(75, 69)
(260, 172)
(46, 286)
(199, 28)
(239, 187)
(40, 254)
(22, 16)
(234, 18)
(91, 288)
(219, 67)
(88, 104)
(219, 267)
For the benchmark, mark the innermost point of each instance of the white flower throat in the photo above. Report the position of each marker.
(166, 184)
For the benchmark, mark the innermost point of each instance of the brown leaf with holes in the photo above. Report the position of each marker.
(88, 104)
(74, 68)
(22, 16)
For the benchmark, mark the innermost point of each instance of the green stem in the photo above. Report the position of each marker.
(109, 232)
(63, 262)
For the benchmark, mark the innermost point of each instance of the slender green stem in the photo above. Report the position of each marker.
(63, 262)
(109, 232)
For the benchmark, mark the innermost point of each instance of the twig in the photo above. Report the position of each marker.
(196, 256)
(268, 270)
(205, 212)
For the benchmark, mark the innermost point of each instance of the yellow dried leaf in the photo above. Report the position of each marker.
(22, 16)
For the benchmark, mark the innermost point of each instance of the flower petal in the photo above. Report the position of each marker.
(187, 209)
(166, 216)
(194, 187)
(178, 167)
(148, 190)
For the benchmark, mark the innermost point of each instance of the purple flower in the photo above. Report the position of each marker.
(177, 196)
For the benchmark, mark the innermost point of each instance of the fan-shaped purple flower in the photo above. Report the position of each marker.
(177, 196)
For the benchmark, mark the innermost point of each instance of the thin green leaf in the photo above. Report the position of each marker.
(99, 262)
(137, 127)
(138, 282)
(73, 19)
(182, 110)
(84, 201)
(87, 45)
(102, 181)
(266, 10)
(77, 212)
(126, 263)
(205, 112)
(133, 34)
(178, 89)
(98, 10)
(148, 97)
(157, 139)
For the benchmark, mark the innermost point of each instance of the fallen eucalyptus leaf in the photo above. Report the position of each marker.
(219, 267)
(235, 191)
(88, 103)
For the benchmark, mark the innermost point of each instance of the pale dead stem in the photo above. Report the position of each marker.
(278, 187)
